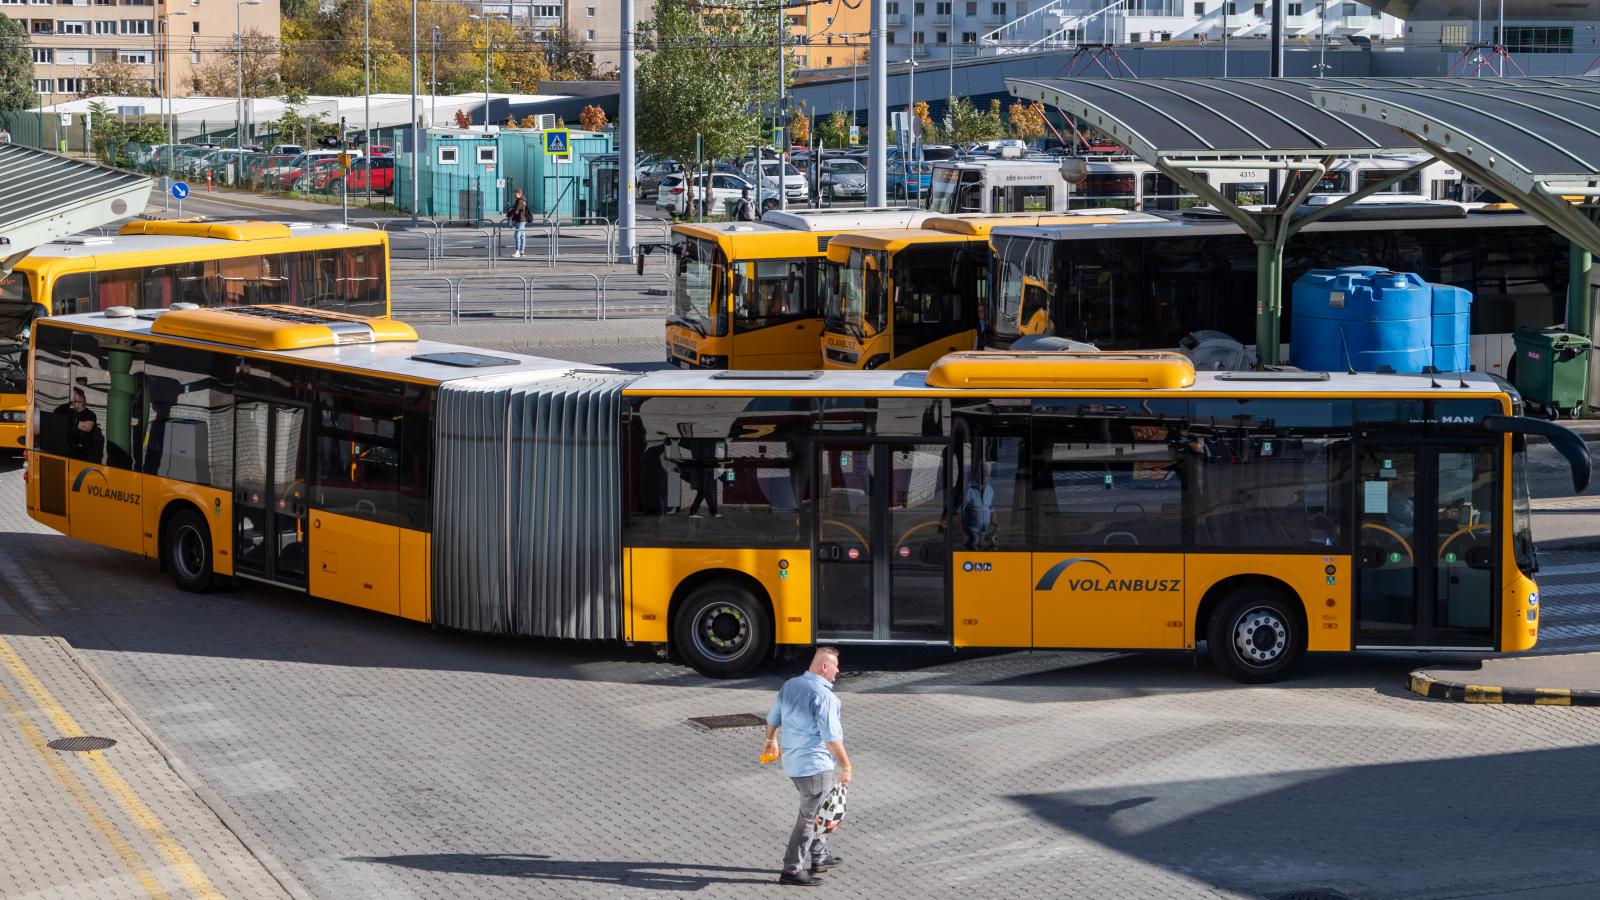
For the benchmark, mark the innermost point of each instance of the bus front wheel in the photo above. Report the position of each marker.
(1256, 635)
(723, 630)
(188, 551)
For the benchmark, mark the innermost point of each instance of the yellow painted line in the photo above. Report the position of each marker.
(97, 816)
(135, 808)
(1478, 693)
(1552, 697)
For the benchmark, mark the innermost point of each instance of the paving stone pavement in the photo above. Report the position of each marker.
(379, 758)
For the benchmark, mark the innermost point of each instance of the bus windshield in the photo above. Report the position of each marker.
(856, 304)
(942, 195)
(696, 286)
(16, 305)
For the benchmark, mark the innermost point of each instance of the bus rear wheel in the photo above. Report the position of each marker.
(723, 630)
(188, 551)
(1256, 635)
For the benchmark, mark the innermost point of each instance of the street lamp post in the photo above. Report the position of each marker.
(366, 92)
(416, 131)
(238, 43)
(486, 45)
(166, 88)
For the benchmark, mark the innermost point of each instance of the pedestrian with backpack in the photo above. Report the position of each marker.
(517, 215)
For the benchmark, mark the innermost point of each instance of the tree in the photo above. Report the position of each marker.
(706, 72)
(257, 59)
(799, 127)
(112, 135)
(1027, 119)
(111, 77)
(16, 68)
(569, 57)
(968, 125)
(925, 126)
(593, 118)
(835, 130)
(294, 127)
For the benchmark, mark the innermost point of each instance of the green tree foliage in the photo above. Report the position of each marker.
(834, 131)
(16, 68)
(967, 124)
(707, 71)
(296, 127)
(112, 135)
(111, 77)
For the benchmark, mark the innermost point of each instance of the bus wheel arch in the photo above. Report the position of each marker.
(720, 621)
(185, 547)
(1255, 627)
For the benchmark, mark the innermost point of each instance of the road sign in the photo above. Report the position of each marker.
(179, 190)
(557, 142)
(500, 183)
(777, 139)
(66, 120)
(855, 134)
(344, 162)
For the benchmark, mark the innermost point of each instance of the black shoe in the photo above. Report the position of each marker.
(801, 879)
(822, 865)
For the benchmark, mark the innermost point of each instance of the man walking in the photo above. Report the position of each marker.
(807, 715)
(518, 216)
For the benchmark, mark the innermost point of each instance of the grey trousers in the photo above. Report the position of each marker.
(807, 842)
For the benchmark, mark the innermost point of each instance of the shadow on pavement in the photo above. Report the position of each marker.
(656, 876)
(1428, 825)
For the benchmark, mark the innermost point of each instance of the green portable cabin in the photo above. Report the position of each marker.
(557, 187)
(458, 176)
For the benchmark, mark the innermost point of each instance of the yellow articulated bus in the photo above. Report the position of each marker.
(747, 295)
(1000, 500)
(204, 263)
(900, 298)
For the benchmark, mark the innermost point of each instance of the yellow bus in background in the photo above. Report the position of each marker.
(747, 295)
(205, 263)
(901, 298)
(1000, 500)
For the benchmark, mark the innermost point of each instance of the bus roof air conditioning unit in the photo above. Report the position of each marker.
(547, 121)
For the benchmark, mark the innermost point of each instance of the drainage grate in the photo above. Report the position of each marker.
(1312, 894)
(720, 723)
(80, 744)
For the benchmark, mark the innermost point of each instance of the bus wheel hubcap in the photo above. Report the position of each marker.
(189, 554)
(723, 630)
(1260, 636)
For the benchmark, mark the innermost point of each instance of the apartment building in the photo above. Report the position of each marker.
(165, 41)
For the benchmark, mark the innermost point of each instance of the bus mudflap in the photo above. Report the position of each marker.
(527, 536)
(1566, 442)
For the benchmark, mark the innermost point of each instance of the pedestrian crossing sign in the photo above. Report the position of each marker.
(557, 142)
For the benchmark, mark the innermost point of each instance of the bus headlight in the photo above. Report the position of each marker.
(713, 362)
(1533, 598)
(12, 415)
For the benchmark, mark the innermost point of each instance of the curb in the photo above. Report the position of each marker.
(1426, 685)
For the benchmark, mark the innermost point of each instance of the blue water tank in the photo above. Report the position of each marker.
(1452, 328)
(1361, 317)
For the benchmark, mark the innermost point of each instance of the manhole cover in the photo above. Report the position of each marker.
(1313, 894)
(80, 744)
(720, 723)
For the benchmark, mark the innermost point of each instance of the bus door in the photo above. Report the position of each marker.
(269, 497)
(1426, 560)
(882, 548)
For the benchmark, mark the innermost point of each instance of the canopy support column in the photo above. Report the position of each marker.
(1580, 264)
(1269, 295)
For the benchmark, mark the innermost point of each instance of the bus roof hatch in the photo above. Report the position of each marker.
(279, 327)
(1097, 371)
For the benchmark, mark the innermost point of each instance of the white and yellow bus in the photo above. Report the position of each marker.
(999, 500)
(151, 264)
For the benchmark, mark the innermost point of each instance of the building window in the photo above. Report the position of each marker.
(134, 56)
(13, 2)
(1350, 9)
(135, 26)
(1136, 37)
(43, 54)
(1261, 9)
(65, 57)
(890, 37)
(828, 61)
(1200, 8)
(196, 27)
(589, 11)
(891, 8)
(941, 9)
(105, 2)
(105, 26)
(73, 26)
(41, 85)
(972, 9)
(1453, 34)
(589, 34)
(448, 156)
(1537, 39)
(919, 9)
(69, 85)
(918, 39)
(969, 37)
(998, 9)
(941, 37)
(44, 26)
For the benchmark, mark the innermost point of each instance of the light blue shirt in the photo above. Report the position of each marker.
(807, 714)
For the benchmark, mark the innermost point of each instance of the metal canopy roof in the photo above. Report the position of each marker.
(1534, 141)
(44, 196)
(1246, 117)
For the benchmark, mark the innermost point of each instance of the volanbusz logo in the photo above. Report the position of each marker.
(103, 489)
(1048, 581)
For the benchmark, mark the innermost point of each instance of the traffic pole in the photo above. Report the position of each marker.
(626, 247)
(877, 109)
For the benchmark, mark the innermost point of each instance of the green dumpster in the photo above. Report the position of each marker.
(1551, 369)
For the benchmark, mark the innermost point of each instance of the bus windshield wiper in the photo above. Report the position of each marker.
(688, 323)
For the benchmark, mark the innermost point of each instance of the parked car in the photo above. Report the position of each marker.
(380, 169)
(286, 150)
(843, 179)
(909, 181)
(673, 195)
(795, 185)
(303, 179)
(380, 150)
(649, 178)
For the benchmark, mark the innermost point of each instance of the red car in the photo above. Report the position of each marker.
(379, 169)
(302, 178)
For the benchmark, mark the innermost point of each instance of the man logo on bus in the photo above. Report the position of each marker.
(1048, 582)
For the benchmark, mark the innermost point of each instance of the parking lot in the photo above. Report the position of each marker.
(357, 755)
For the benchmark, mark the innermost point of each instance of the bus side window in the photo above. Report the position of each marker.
(73, 293)
(52, 373)
(190, 395)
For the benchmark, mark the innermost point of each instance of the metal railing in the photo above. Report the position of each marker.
(506, 296)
